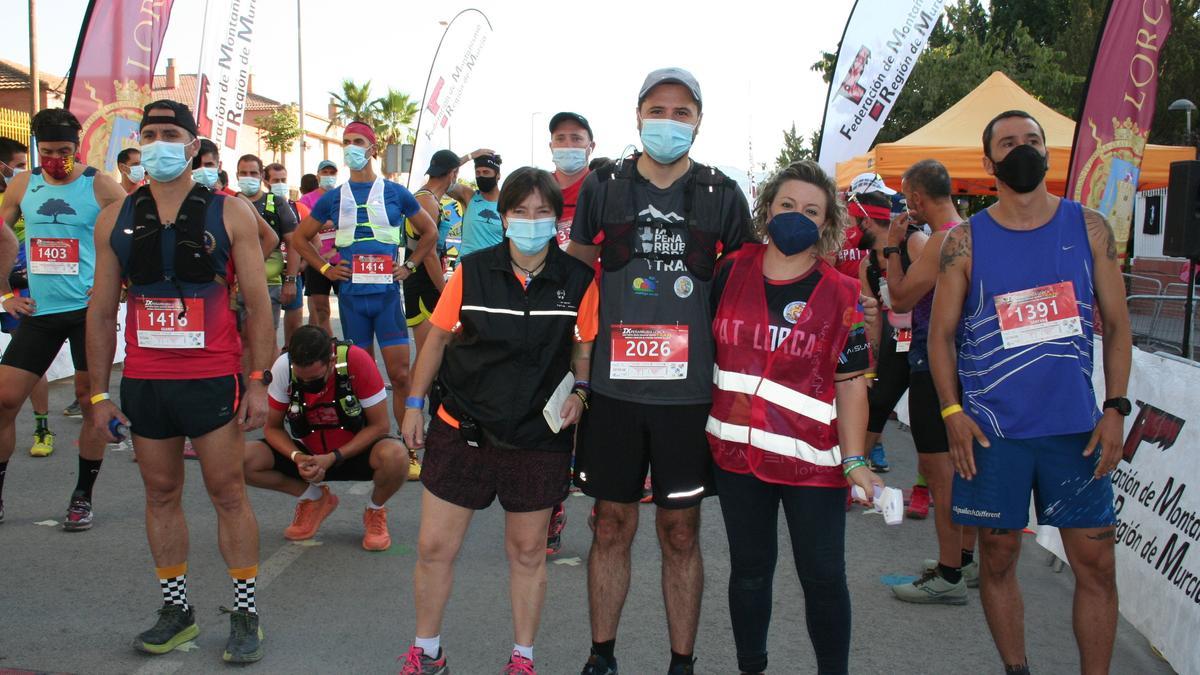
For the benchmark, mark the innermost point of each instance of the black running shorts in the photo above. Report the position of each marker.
(316, 283)
(161, 409)
(619, 440)
(356, 468)
(38, 339)
(925, 414)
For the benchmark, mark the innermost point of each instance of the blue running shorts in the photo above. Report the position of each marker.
(375, 317)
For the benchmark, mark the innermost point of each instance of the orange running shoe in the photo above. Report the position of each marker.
(376, 537)
(310, 513)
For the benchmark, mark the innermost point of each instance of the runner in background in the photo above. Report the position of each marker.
(318, 288)
(572, 145)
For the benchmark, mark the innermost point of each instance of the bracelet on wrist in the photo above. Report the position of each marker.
(583, 384)
(414, 402)
(854, 458)
(325, 267)
(7, 296)
(337, 457)
(848, 469)
(582, 398)
(951, 410)
(294, 453)
(96, 398)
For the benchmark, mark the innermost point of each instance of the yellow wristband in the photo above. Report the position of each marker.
(951, 410)
(96, 398)
(871, 376)
(6, 296)
(325, 267)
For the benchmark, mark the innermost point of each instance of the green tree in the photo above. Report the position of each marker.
(354, 103)
(280, 129)
(396, 113)
(795, 148)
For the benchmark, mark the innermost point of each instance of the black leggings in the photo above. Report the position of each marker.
(816, 520)
(891, 370)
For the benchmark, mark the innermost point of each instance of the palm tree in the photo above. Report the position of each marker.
(354, 103)
(396, 113)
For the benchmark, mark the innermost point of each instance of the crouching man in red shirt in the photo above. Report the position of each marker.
(332, 397)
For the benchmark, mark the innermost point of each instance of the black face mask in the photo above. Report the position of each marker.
(1022, 169)
(312, 386)
(486, 183)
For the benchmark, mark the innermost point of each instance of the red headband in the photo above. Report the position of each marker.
(860, 210)
(360, 128)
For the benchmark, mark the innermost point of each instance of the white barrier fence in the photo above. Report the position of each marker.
(62, 366)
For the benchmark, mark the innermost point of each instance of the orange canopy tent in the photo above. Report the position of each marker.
(955, 139)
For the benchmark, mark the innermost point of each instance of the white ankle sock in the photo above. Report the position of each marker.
(313, 492)
(527, 652)
(372, 505)
(431, 646)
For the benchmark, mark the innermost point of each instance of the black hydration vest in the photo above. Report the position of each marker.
(706, 192)
(193, 263)
(349, 409)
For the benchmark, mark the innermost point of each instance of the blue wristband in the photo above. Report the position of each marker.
(583, 384)
(415, 402)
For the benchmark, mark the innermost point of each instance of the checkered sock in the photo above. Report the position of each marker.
(172, 581)
(243, 588)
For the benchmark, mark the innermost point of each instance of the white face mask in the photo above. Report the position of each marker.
(279, 190)
(327, 182)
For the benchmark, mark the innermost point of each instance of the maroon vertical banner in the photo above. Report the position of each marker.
(1118, 107)
(112, 74)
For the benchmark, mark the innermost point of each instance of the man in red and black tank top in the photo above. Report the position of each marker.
(182, 366)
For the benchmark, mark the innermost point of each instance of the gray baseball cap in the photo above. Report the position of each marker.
(671, 75)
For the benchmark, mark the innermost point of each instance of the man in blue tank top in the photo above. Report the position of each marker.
(59, 201)
(1010, 346)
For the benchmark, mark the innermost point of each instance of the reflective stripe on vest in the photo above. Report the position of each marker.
(773, 443)
(377, 218)
(773, 392)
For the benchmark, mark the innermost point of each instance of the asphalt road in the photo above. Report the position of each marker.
(73, 602)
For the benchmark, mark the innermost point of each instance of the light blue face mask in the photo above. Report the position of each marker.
(569, 160)
(137, 173)
(164, 161)
(205, 175)
(666, 140)
(355, 157)
(249, 185)
(279, 190)
(327, 182)
(531, 236)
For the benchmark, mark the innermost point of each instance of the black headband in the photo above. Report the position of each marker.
(58, 133)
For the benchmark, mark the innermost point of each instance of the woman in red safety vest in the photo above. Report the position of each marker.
(789, 415)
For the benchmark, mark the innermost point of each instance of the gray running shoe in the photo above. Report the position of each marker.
(176, 625)
(970, 572)
(245, 638)
(73, 410)
(932, 589)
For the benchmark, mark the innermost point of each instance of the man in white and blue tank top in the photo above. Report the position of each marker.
(59, 201)
(1010, 347)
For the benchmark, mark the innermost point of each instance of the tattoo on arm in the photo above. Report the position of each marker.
(1098, 228)
(1101, 536)
(956, 246)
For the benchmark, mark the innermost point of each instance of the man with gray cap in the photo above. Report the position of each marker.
(657, 221)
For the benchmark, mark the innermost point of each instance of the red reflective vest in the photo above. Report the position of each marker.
(773, 412)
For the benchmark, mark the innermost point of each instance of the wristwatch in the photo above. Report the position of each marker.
(263, 376)
(289, 278)
(1120, 404)
(410, 266)
(889, 250)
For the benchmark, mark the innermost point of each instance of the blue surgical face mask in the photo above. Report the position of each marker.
(164, 161)
(569, 160)
(205, 175)
(249, 185)
(327, 182)
(355, 157)
(531, 236)
(279, 190)
(666, 140)
(793, 232)
(137, 173)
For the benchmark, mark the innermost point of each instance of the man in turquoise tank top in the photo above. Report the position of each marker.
(1010, 347)
(59, 201)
